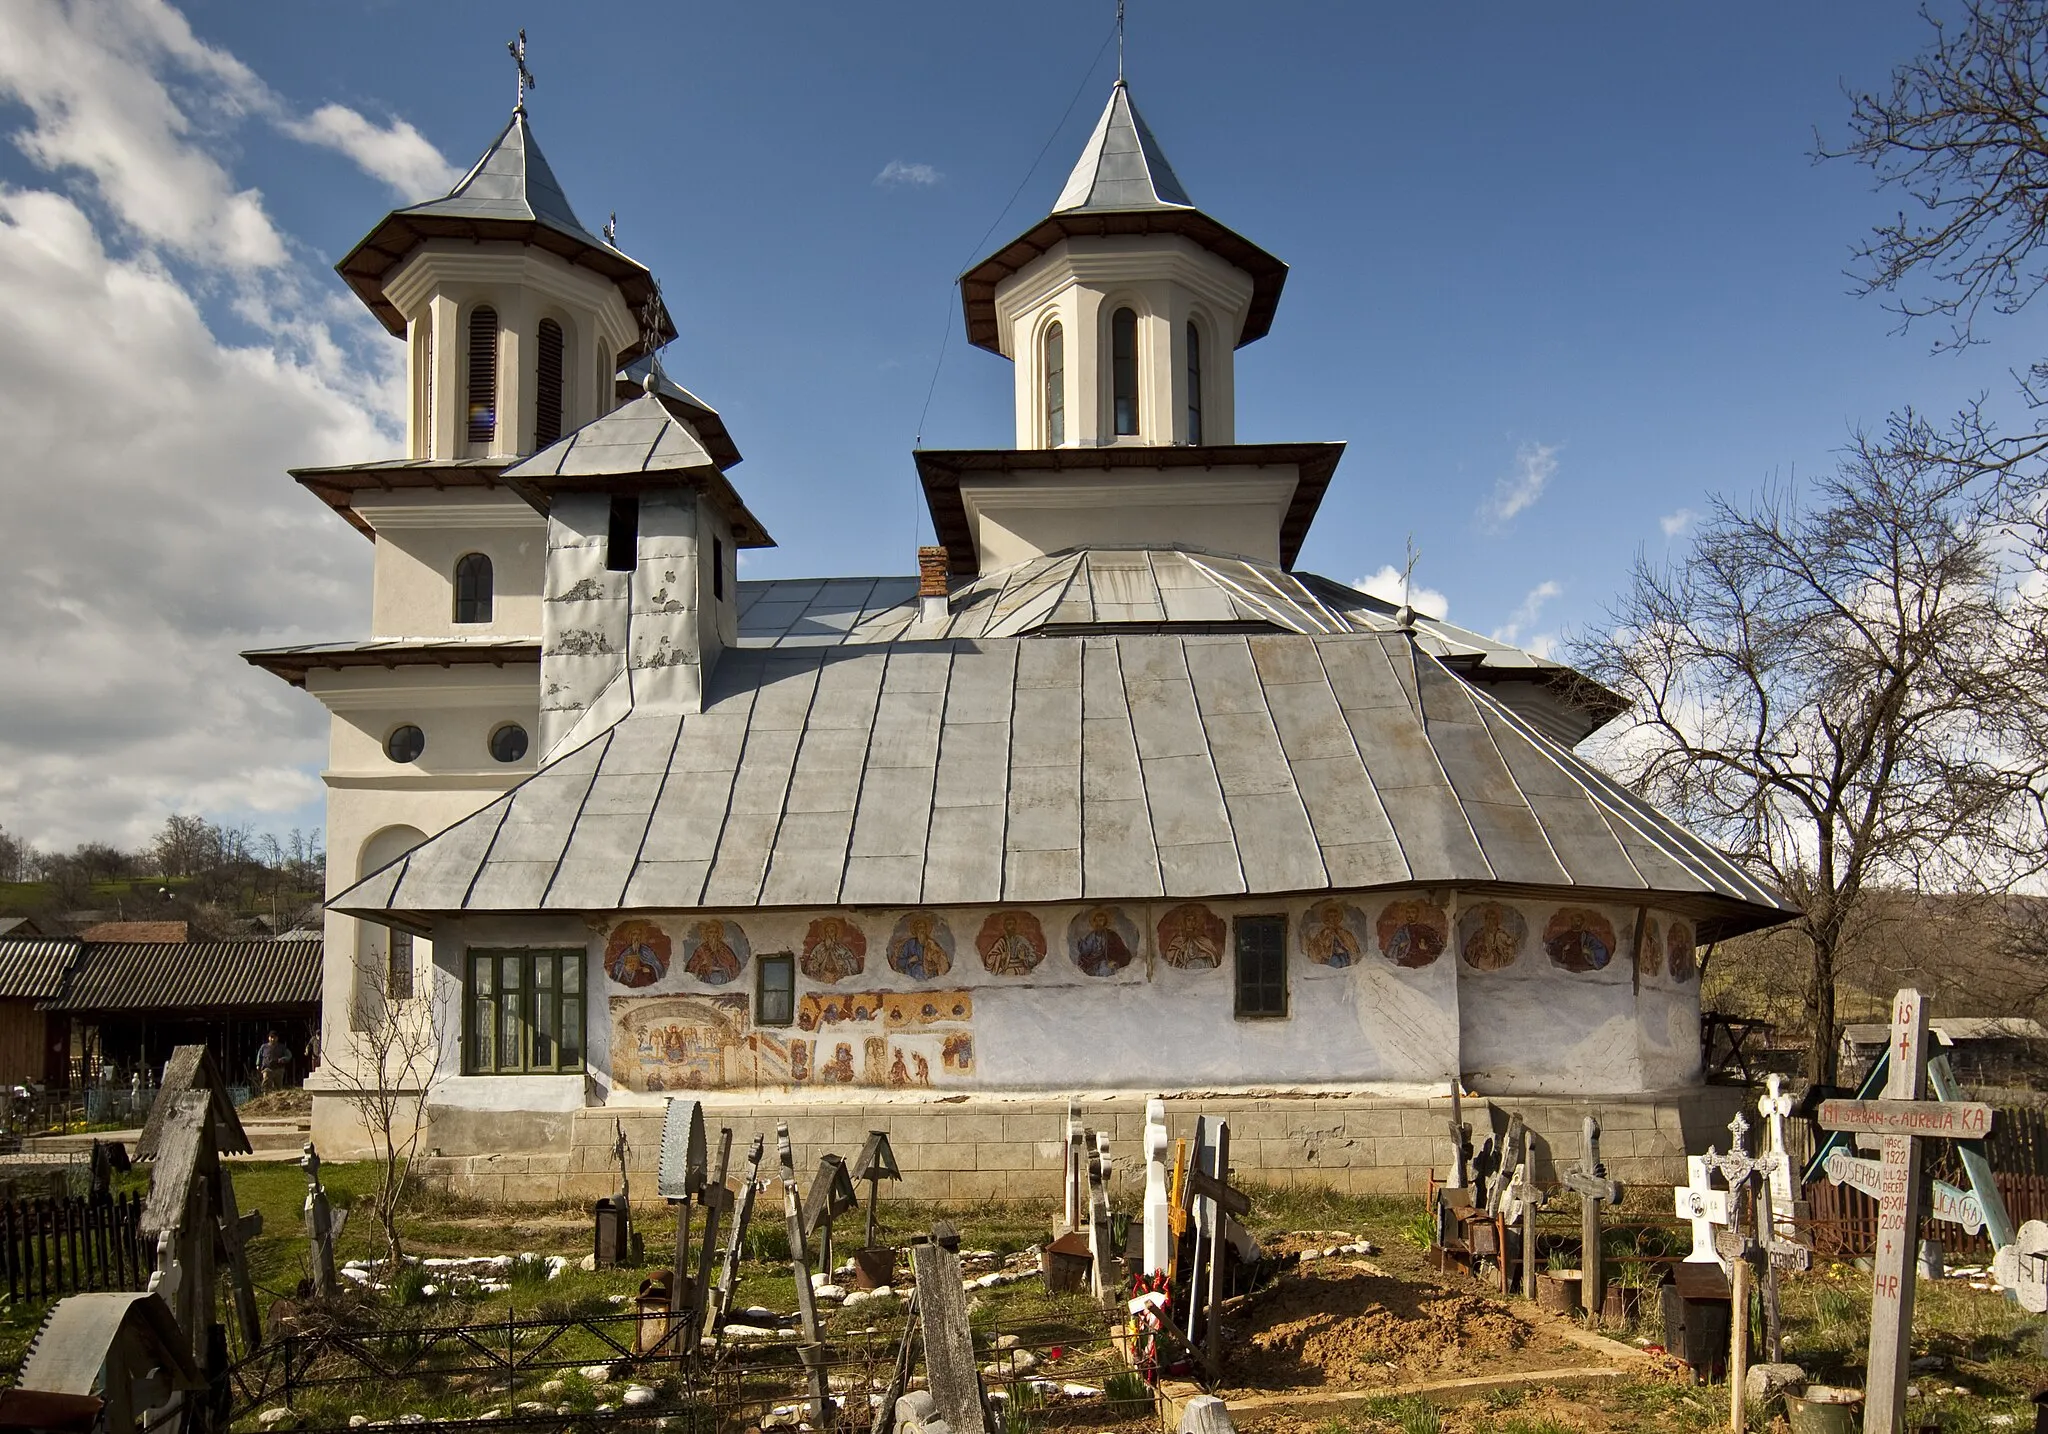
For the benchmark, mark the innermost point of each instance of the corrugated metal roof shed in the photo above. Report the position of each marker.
(192, 975)
(33, 969)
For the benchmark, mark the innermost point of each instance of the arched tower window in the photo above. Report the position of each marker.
(1055, 386)
(483, 376)
(1123, 371)
(1194, 383)
(472, 588)
(547, 412)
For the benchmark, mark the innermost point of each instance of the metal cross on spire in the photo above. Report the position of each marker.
(517, 49)
(1119, 41)
(611, 229)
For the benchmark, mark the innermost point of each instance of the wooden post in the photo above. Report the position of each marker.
(1738, 1344)
(729, 1273)
(1212, 1336)
(619, 1148)
(717, 1198)
(813, 1351)
(948, 1340)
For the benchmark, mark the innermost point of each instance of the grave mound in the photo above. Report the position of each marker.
(1359, 1329)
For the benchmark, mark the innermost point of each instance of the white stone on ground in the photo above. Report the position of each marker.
(357, 1421)
(636, 1396)
(596, 1373)
(830, 1294)
(553, 1387)
(587, 1263)
(748, 1331)
(274, 1416)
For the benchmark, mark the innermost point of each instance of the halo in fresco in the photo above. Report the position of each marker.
(1650, 950)
(1413, 933)
(1011, 943)
(1191, 935)
(1579, 939)
(1333, 934)
(1102, 940)
(921, 947)
(834, 949)
(1682, 964)
(637, 953)
(714, 951)
(1492, 935)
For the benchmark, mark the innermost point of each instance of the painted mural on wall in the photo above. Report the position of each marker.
(1491, 935)
(1011, 943)
(1413, 933)
(921, 947)
(1191, 937)
(714, 951)
(672, 1043)
(1579, 939)
(834, 949)
(1683, 967)
(637, 953)
(1333, 934)
(1650, 950)
(1102, 940)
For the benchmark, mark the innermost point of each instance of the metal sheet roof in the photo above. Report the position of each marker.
(192, 975)
(32, 968)
(1059, 769)
(513, 180)
(1122, 166)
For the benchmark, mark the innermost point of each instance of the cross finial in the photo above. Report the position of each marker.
(1119, 41)
(611, 230)
(1738, 1128)
(517, 49)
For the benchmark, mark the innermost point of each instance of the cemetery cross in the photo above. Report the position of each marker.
(1588, 1180)
(1738, 1168)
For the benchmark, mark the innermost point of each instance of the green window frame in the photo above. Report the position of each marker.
(523, 1011)
(775, 990)
(1261, 943)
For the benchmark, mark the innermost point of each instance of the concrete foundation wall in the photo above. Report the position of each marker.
(970, 1150)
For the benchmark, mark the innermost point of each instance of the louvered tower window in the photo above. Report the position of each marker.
(1194, 384)
(473, 588)
(483, 376)
(1055, 386)
(1123, 371)
(547, 413)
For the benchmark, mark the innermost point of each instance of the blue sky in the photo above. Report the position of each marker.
(1558, 273)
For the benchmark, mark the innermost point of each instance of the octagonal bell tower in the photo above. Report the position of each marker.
(1123, 308)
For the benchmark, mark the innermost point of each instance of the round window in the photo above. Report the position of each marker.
(508, 743)
(405, 744)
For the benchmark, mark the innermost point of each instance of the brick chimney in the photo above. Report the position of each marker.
(933, 570)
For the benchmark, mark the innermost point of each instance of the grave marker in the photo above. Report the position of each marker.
(1158, 1231)
(1461, 1140)
(812, 1351)
(1526, 1197)
(729, 1274)
(1105, 1284)
(1698, 1201)
(831, 1196)
(1776, 1105)
(875, 1163)
(948, 1340)
(679, 1176)
(716, 1198)
(322, 1226)
(1737, 1168)
(1588, 1180)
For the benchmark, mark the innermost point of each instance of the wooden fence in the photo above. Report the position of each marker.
(1842, 1221)
(58, 1247)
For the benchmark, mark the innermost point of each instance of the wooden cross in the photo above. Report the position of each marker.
(1525, 1198)
(1737, 1168)
(1220, 1205)
(812, 1352)
(716, 1198)
(619, 1148)
(1075, 1175)
(322, 1225)
(1461, 1140)
(875, 1163)
(1588, 1179)
(720, 1305)
(1904, 1118)
(831, 1196)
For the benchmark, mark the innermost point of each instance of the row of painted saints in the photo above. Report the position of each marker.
(1103, 940)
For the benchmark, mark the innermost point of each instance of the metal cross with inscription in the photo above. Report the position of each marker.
(1776, 1105)
(1588, 1180)
(1698, 1201)
(1737, 1168)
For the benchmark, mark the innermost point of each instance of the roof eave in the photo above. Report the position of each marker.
(337, 486)
(978, 285)
(294, 666)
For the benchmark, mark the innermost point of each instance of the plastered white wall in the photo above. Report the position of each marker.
(420, 537)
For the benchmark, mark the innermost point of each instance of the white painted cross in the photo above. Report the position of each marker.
(1775, 1105)
(1698, 1201)
(1158, 1222)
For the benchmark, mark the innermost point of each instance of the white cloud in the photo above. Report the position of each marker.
(1526, 616)
(898, 173)
(1535, 465)
(1676, 524)
(152, 530)
(1387, 586)
(396, 153)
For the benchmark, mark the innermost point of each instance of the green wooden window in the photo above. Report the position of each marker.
(523, 1012)
(775, 991)
(1262, 966)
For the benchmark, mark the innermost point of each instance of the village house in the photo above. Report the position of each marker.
(1107, 799)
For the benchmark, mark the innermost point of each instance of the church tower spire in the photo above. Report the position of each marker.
(1123, 307)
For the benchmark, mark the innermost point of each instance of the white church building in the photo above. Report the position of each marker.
(1107, 800)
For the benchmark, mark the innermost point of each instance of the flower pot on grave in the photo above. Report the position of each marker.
(1559, 1292)
(1067, 1264)
(874, 1268)
(1824, 1410)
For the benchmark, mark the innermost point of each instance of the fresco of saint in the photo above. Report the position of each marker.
(1683, 966)
(637, 954)
(1492, 935)
(1011, 943)
(714, 951)
(922, 947)
(1330, 935)
(1579, 939)
(1191, 936)
(834, 949)
(1650, 950)
(1102, 941)
(1412, 933)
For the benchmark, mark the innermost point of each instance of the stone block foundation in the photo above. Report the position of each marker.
(969, 1150)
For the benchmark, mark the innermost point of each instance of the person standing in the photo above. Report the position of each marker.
(273, 1063)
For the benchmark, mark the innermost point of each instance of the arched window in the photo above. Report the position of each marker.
(547, 388)
(1123, 371)
(472, 588)
(1194, 383)
(483, 376)
(1055, 386)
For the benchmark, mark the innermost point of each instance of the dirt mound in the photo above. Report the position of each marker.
(277, 1104)
(1362, 1329)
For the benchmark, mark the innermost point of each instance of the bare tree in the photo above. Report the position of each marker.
(1839, 692)
(387, 1073)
